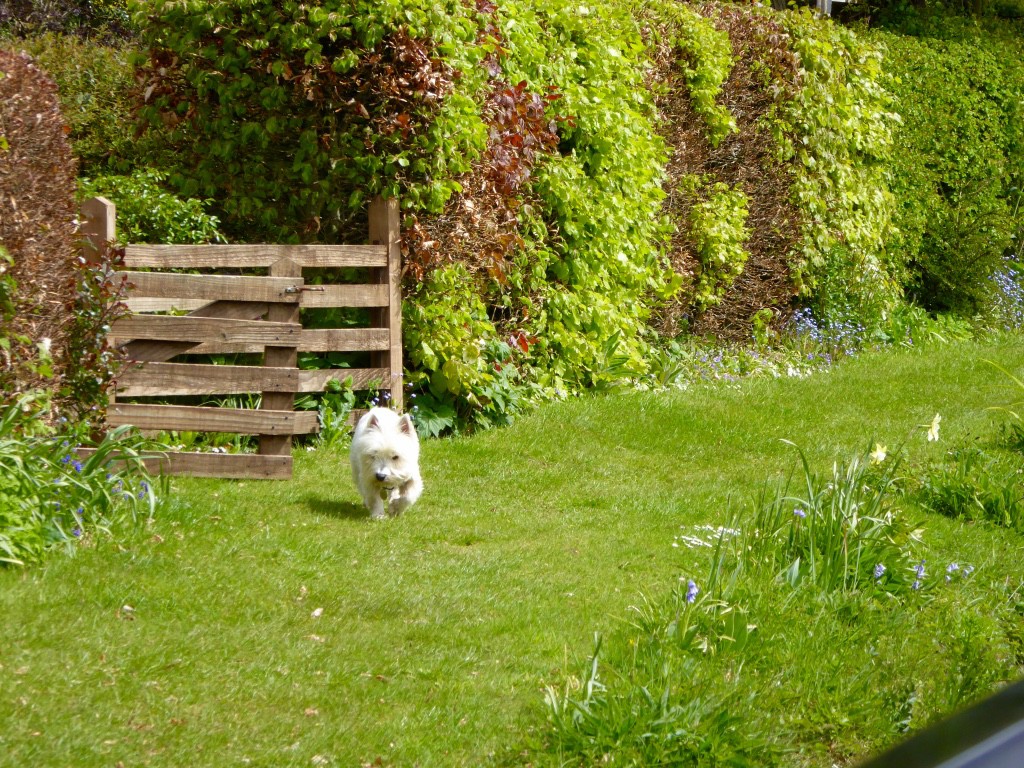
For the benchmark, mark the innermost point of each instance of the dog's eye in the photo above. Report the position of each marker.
(395, 457)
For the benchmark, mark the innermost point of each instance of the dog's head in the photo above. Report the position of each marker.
(390, 449)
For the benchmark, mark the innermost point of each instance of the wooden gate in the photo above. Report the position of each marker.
(177, 313)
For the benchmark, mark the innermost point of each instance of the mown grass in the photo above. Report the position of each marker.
(201, 638)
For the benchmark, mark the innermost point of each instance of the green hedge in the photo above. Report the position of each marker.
(959, 170)
(284, 118)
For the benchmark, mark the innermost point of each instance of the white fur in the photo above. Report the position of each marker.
(385, 458)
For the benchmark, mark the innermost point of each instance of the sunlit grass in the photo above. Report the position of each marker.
(200, 638)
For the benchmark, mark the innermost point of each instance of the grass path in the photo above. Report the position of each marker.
(439, 630)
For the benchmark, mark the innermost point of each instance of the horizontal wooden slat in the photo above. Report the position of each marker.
(205, 329)
(203, 419)
(345, 296)
(344, 340)
(255, 255)
(214, 287)
(146, 304)
(228, 465)
(318, 340)
(154, 379)
(362, 378)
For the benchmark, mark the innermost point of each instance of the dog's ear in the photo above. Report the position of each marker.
(373, 423)
(406, 427)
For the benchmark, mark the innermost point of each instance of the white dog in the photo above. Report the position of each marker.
(385, 458)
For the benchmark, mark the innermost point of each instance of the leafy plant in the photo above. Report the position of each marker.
(706, 61)
(836, 131)
(957, 180)
(840, 533)
(718, 228)
(148, 213)
(51, 498)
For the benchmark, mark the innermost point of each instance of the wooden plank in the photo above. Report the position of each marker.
(241, 466)
(345, 296)
(154, 379)
(204, 329)
(343, 340)
(160, 351)
(384, 229)
(214, 287)
(314, 340)
(145, 304)
(191, 418)
(280, 356)
(362, 378)
(254, 255)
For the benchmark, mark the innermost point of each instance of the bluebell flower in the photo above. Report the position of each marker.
(919, 570)
(799, 512)
(77, 465)
(691, 591)
(879, 571)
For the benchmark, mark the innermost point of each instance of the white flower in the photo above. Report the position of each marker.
(878, 455)
(933, 430)
(44, 346)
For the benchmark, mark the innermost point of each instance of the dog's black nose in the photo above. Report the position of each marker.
(382, 476)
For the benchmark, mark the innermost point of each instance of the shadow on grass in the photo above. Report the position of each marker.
(343, 510)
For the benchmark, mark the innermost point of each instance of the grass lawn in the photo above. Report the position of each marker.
(275, 624)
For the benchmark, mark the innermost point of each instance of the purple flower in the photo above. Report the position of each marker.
(879, 571)
(919, 570)
(798, 512)
(691, 591)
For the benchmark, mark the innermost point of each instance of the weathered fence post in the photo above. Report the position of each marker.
(280, 357)
(98, 227)
(384, 230)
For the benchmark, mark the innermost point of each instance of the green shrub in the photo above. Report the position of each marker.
(148, 213)
(706, 61)
(291, 116)
(958, 178)
(102, 18)
(252, 95)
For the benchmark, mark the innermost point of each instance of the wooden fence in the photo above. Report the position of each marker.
(231, 313)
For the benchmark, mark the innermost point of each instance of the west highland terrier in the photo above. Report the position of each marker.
(385, 458)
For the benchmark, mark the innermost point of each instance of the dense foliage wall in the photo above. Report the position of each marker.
(579, 183)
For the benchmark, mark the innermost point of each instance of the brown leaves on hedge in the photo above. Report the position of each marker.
(37, 223)
(479, 227)
(743, 160)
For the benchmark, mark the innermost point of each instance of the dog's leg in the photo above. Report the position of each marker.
(375, 503)
(405, 497)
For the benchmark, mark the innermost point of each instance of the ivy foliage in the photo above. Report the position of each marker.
(718, 228)
(835, 130)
